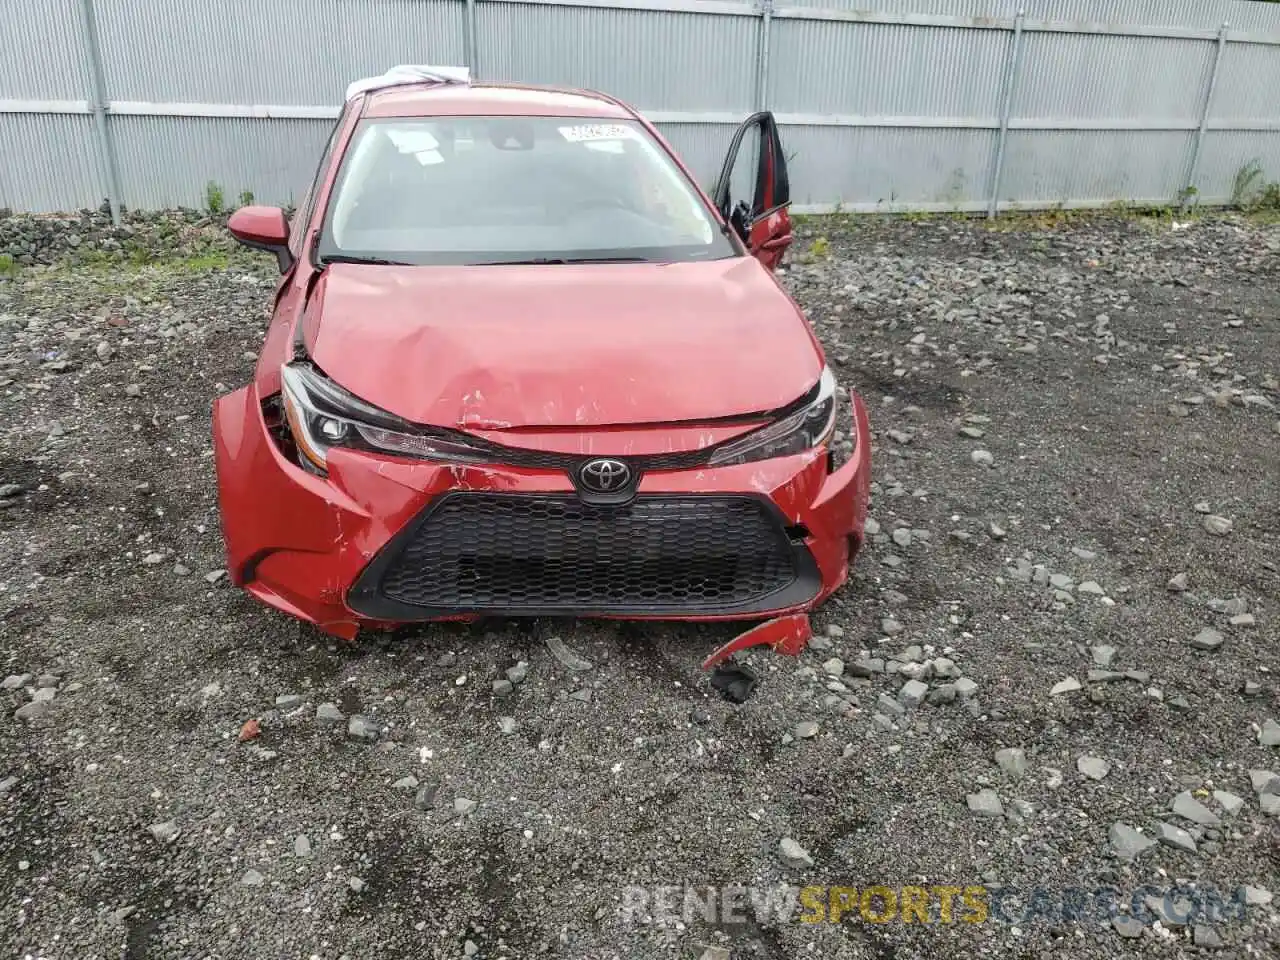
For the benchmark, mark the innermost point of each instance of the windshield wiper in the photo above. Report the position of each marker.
(560, 260)
(376, 261)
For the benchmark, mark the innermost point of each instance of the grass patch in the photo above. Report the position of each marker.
(8, 267)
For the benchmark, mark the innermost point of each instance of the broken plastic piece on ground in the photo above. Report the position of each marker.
(788, 635)
(568, 657)
(734, 681)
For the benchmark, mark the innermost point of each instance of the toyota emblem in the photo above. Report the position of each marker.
(604, 476)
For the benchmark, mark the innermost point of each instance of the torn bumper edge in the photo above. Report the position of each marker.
(787, 635)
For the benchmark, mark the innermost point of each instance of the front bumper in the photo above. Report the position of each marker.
(326, 550)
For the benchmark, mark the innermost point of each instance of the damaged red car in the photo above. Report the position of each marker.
(519, 364)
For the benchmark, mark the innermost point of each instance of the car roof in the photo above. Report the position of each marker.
(489, 99)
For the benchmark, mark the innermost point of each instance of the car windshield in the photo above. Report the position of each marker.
(496, 189)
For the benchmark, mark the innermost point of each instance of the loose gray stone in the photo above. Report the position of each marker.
(1208, 639)
(301, 846)
(943, 693)
(965, 688)
(1172, 912)
(582, 695)
(15, 681)
(1264, 782)
(1012, 760)
(328, 713)
(945, 667)
(1091, 587)
(865, 669)
(1060, 581)
(166, 832)
(833, 667)
(835, 630)
(1217, 526)
(44, 695)
(1269, 735)
(469, 949)
(1205, 937)
(32, 711)
(1103, 655)
(902, 537)
(252, 878)
(890, 705)
(507, 725)
(463, 806)
(1066, 685)
(356, 884)
(425, 798)
(982, 458)
(1230, 803)
(1127, 843)
(1083, 554)
(7, 784)
(913, 693)
(517, 673)
(48, 680)
(362, 728)
(1128, 927)
(793, 855)
(1243, 620)
(1095, 768)
(567, 657)
(406, 783)
(1189, 808)
(1104, 676)
(1174, 836)
(806, 729)
(890, 627)
(287, 701)
(985, 803)
(1178, 584)
(1254, 896)
(502, 688)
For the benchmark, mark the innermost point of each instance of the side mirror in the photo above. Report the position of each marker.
(263, 228)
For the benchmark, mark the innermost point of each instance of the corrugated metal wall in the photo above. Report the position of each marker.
(914, 105)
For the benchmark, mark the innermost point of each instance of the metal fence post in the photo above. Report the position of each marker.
(473, 43)
(1204, 114)
(1013, 67)
(89, 26)
(762, 54)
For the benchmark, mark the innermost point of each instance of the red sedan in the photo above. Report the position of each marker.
(520, 364)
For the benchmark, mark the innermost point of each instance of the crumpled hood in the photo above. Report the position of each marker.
(589, 345)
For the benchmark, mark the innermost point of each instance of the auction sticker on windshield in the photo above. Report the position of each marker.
(585, 133)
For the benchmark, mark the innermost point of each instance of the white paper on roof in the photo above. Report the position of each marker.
(410, 73)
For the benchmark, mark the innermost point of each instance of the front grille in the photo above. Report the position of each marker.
(508, 553)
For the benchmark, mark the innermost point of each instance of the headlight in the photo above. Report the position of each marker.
(800, 431)
(322, 415)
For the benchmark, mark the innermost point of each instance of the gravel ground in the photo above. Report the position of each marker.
(1067, 417)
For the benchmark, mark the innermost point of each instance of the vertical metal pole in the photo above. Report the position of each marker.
(89, 24)
(762, 55)
(473, 44)
(1204, 114)
(1013, 68)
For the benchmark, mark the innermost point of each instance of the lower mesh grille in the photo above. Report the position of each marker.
(485, 552)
